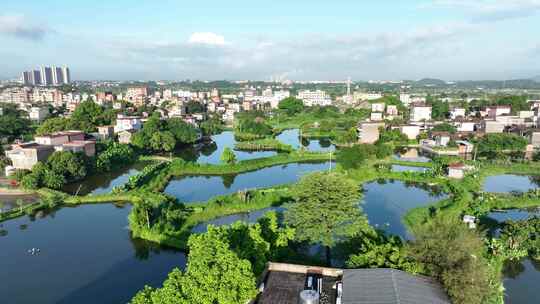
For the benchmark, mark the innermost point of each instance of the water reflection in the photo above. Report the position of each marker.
(84, 252)
(292, 137)
(385, 202)
(190, 189)
(210, 151)
(506, 183)
(104, 182)
(410, 154)
(401, 168)
(521, 281)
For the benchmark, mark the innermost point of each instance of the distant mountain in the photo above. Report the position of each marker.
(431, 82)
(536, 79)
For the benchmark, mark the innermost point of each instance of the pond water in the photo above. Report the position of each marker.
(210, 152)
(104, 182)
(400, 168)
(513, 214)
(190, 189)
(509, 182)
(521, 281)
(86, 256)
(521, 278)
(412, 155)
(386, 202)
(292, 137)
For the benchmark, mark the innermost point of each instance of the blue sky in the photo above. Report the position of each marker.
(299, 40)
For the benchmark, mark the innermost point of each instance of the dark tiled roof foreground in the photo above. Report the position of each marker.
(389, 286)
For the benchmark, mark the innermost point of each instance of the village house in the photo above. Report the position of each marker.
(38, 113)
(464, 125)
(26, 155)
(105, 132)
(377, 107)
(420, 112)
(368, 132)
(392, 110)
(73, 141)
(376, 116)
(124, 137)
(456, 113)
(124, 123)
(491, 126)
(534, 138)
(456, 170)
(470, 221)
(494, 111)
(410, 131)
(290, 283)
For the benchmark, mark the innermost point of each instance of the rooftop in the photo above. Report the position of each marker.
(282, 284)
(389, 286)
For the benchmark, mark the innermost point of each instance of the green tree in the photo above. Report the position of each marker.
(162, 141)
(183, 132)
(13, 124)
(326, 209)
(53, 180)
(215, 275)
(291, 105)
(454, 254)
(391, 136)
(501, 142)
(439, 108)
(115, 155)
(54, 124)
(445, 127)
(374, 249)
(228, 156)
(88, 115)
(68, 164)
(211, 126)
(355, 156)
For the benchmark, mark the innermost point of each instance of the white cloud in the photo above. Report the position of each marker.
(405, 53)
(206, 38)
(20, 27)
(488, 10)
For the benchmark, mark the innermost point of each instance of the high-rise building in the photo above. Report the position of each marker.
(58, 76)
(36, 77)
(66, 76)
(46, 76)
(27, 78)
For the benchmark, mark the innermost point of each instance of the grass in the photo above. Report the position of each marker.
(180, 168)
(267, 144)
(219, 206)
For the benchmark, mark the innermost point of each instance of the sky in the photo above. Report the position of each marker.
(294, 39)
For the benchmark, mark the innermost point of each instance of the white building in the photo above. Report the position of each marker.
(464, 126)
(410, 131)
(124, 123)
(457, 112)
(377, 107)
(38, 113)
(314, 98)
(362, 96)
(420, 112)
(405, 99)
